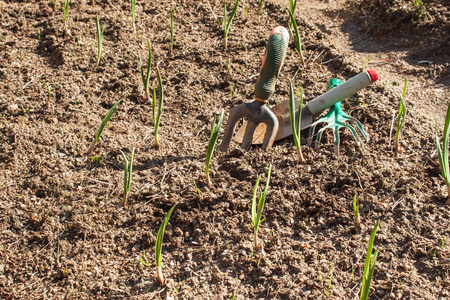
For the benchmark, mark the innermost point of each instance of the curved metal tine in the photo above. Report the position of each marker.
(236, 114)
(359, 125)
(341, 118)
(325, 119)
(354, 133)
(270, 135)
(319, 136)
(248, 135)
(337, 140)
(312, 129)
(268, 118)
(346, 117)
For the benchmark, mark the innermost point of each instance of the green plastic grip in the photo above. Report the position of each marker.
(273, 61)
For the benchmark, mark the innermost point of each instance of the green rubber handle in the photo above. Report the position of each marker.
(273, 61)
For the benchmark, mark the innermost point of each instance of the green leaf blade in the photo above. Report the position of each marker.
(445, 145)
(125, 169)
(255, 221)
(108, 116)
(233, 13)
(160, 236)
(130, 170)
(262, 199)
(368, 267)
(213, 137)
(295, 133)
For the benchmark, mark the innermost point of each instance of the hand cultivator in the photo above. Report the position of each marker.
(335, 119)
(256, 111)
(276, 121)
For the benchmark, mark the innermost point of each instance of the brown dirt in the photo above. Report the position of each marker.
(64, 233)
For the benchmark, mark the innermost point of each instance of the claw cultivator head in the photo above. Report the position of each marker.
(335, 119)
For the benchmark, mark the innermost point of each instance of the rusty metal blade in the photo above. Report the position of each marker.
(282, 112)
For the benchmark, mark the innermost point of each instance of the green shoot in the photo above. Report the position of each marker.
(356, 214)
(330, 277)
(144, 261)
(369, 265)
(133, 15)
(66, 13)
(108, 116)
(400, 119)
(99, 39)
(171, 32)
(98, 160)
(420, 9)
(227, 21)
(443, 154)
(49, 93)
(158, 246)
(296, 120)
(157, 118)
(245, 10)
(146, 77)
(212, 145)
(257, 209)
(154, 104)
(292, 7)
(55, 3)
(260, 5)
(198, 191)
(296, 34)
(128, 171)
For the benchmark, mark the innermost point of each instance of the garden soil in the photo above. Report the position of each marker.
(64, 233)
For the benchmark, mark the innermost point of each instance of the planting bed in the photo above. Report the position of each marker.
(63, 230)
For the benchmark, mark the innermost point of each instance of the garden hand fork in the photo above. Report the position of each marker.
(257, 111)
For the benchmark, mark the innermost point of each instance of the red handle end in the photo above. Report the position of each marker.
(373, 75)
(280, 30)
